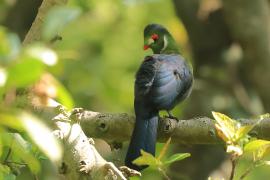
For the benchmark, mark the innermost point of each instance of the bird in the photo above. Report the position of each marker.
(163, 80)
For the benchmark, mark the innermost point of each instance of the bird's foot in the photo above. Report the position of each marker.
(171, 116)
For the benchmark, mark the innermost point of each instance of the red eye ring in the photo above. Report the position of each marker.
(154, 37)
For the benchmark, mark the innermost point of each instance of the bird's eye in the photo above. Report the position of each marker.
(154, 37)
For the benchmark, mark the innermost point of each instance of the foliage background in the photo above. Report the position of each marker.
(102, 48)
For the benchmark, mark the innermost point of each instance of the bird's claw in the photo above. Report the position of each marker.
(172, 117)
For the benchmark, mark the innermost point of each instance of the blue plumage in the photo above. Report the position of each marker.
(162, 81)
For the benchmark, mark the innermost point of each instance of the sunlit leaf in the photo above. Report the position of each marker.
(243, 131)
(255, 145)
(225, 137)
(260, 148)
(10, 121)
(3, 79)
(3, 76)
(267, 163)
(264, 116)
(57, 19)
(226, 125)
(42, 136)
(42, 53)
(164, 149)
(4, 169)
(176, 157)
(146, 159)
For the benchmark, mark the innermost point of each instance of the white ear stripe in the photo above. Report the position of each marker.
(165, 42)
(150, 41)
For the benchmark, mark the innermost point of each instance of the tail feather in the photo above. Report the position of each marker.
(143, 137)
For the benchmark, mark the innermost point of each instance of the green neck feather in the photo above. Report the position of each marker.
(165, 45)
(169, 45)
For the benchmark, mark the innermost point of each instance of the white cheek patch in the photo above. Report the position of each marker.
(165, 42)
(150, 41)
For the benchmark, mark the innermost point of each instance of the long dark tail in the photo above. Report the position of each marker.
(144, 135)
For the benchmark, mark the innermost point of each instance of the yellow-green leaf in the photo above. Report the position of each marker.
(255, 145)
(243, 131)
(267, 163)
(10, 121)
(226, 125)
(164, 149)
(260, 148)
(146, 159)
(176, 157)
(42, 136)
(221, 134)
(42, 53)
(24, 73)
(264, 116)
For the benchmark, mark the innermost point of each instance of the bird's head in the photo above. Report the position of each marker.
(159, 39)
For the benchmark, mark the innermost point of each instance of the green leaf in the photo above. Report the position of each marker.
(260, 148)
(42, 136)
(24, 73)
(164, 149)
(4, 169)
(225, 126)
(19, 148)
(9, 177)
(42, 53)
(264, 116)
(63, 96)
(10, 121)
(57, 19)
(3, 76)
(266, 163)
(176, 157)
(256, 145)
(146, 159)
(243, 131)
(5, 173)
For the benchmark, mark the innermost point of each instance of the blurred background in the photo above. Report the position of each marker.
(228, 43)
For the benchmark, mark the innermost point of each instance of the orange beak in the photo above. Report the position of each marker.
(145, 47)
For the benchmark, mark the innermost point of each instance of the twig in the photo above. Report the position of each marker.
(34, 33)
(18, 163)
(9, 151)
(234, 161)
(8, 154)
(164, 174)
(248, 170)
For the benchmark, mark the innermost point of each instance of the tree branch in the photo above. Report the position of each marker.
(81, 159)
(117, 127)
(34, 33)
